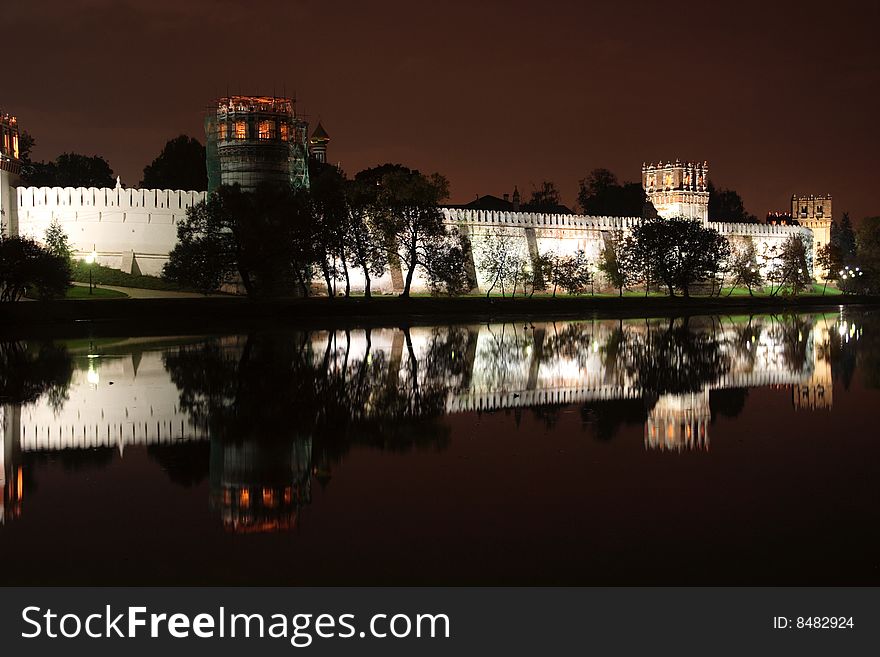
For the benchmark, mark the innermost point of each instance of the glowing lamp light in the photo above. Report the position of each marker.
(842, 329)
(90, 259)
(93, 377)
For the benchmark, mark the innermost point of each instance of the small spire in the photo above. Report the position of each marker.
(118, 183)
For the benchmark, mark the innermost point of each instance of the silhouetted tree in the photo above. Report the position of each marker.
(408, 215)
(744, 265)
(27, 266)
(180, 165)
(70, 170)
(600, 194)
(265, 237)
(678, 252)
(727, 205)
(364, 241)
(545, 198)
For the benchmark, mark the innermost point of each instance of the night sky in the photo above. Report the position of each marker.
(780, 98)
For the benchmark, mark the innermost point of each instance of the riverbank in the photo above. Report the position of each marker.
(216, 314)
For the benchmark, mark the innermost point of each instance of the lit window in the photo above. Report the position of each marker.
(244, 498)
(6, 142)
(221, 130)
(240, 130)
(268, 498)
(267, 130)
(285, 132)
(15, 146)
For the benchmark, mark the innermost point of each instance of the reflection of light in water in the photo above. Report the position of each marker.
(92, 375)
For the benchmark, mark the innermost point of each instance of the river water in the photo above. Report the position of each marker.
(707, 450)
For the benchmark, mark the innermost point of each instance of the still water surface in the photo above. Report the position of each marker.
(712, 450)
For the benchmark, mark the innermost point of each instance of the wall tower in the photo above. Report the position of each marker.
(678, 189)
(814, 212)
(255, 139)
(10, 168)
(318, 144)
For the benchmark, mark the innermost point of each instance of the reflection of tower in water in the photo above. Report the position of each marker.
(260, 485)
(817, 392)
(679, 422)
(11, 485)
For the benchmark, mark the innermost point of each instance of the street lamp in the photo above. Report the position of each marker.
(90, 261)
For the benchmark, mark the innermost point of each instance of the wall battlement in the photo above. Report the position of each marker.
(130, 229)
(537, 219)
(107, 197)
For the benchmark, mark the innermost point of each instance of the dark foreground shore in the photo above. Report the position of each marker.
(214, 314)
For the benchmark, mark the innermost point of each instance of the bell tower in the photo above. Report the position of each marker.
(678, 189)
(814, 212)
(10, 167)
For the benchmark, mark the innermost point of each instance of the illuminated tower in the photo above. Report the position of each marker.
(255, 139)
(318, 143)
(814, 212)
(678, 189)
(10, 167)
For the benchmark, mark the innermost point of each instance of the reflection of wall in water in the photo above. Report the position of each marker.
(113, 401)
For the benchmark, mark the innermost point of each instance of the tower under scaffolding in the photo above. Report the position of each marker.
(255, 139)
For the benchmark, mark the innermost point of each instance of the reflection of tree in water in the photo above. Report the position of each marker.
(276, 387)
(727, 402)
(606, 417)
(674, 359)
(791, 332)
(867, 347)
(186, 464)
(29, 371)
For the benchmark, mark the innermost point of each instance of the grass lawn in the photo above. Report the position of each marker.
(109, 276)
(82, 292)
(765, 292)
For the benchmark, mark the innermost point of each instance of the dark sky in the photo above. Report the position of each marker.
(779, 97)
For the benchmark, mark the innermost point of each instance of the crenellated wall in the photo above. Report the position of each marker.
(130, 229)
(135, 229)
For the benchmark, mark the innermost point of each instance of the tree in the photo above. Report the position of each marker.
(678, 252)
(264, 237)
(409, 216)
(364, 240)
(199, 262)
(447, 271)
(180, 165)
(70, 170)
(843, 236)
(868, 256)
(545, 198)
(744, 265)
(791, 266)
(56, 240)
(26, 266)
(332, 223)
(599, 194)
(830, 258)
(727, 205)
(574, 272)
(614, 262)
(499, 260)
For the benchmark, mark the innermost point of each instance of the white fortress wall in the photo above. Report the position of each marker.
(115, 222)
(135, 229)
